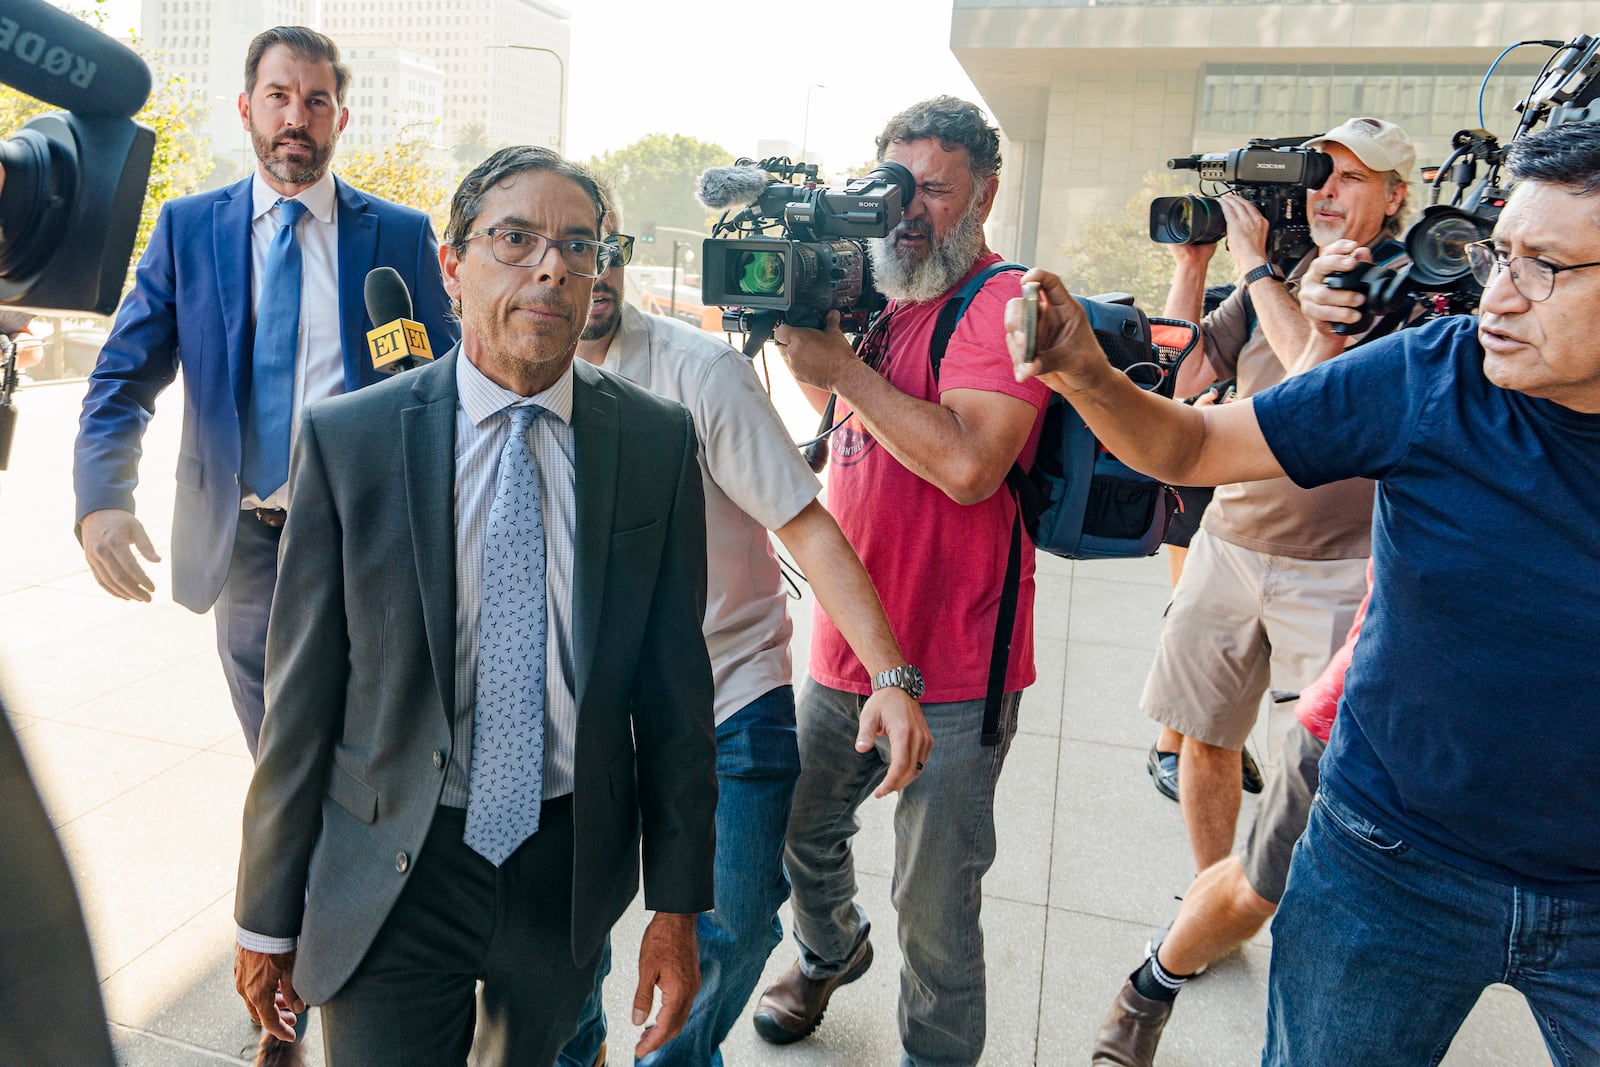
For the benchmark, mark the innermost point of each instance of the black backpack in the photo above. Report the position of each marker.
(1076, 500)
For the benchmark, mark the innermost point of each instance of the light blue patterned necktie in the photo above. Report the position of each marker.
(277, 342)
(506, 784)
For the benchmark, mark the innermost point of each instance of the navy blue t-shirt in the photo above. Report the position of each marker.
(1469, 724)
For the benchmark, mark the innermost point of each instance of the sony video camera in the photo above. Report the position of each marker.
(1272, 174)
(1437, 276)
(818, 264)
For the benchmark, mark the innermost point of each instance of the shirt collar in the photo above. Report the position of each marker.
(483, 399)
(318, 199)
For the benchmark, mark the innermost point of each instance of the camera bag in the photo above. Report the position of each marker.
(1077, 500)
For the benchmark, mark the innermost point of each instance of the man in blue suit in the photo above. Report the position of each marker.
(254, 292)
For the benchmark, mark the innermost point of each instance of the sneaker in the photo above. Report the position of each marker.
(1163, 768)
(1250, 774)
(1159, 936)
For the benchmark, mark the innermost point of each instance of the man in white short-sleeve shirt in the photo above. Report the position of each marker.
(755, 481)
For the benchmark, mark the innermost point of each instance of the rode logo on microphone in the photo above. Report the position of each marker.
(35, 51)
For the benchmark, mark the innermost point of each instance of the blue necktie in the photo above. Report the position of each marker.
(277, 340)
(506, 784)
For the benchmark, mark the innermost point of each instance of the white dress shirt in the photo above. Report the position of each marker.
(482, 422)
(319, 358)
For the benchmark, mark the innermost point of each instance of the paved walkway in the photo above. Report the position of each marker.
(125, 719)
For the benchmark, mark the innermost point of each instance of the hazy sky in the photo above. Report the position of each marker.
(738, 72)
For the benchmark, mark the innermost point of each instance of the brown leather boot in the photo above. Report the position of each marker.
(1132, 1030)
(792, 1007)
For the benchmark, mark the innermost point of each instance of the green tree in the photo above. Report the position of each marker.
(655, 179)
(409, 172)
(1117, 255)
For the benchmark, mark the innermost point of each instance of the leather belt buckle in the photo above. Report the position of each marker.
(273, 517)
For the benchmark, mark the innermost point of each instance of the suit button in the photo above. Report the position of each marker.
(401, 862)
(438, 758)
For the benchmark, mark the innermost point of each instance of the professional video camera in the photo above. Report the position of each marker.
(1438, 276)
(1272, 174)
(74, 180)
(818, 265)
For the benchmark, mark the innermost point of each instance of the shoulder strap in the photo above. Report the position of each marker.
(949, 315)
(1000, 653)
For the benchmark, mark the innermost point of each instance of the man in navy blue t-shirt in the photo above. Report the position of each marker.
(1455, 841)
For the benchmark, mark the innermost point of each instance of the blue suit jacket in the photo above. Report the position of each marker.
(190, 308)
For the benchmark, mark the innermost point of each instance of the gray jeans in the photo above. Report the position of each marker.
(944, 843)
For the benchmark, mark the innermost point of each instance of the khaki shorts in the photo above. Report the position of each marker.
(1282, 814)
(1239, 622)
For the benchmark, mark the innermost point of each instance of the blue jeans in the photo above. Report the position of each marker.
(758, 762)
(944, 843)
(1380, 951)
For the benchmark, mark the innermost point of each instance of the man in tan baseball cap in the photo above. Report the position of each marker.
(1379, 146)
(1271, 582)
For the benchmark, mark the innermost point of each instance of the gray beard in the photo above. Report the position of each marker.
(911, 281)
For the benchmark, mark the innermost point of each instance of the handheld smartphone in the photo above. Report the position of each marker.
(1030, 319)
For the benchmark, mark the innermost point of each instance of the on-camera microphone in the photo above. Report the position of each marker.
(396, 343)
(724, 187)
(51, 56)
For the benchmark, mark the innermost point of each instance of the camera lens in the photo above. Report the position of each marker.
(1441, 249)
(1194, 220)
(760, 273)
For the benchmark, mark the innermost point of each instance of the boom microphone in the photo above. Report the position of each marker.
(723, 187)
(51, 56)
(397, 343)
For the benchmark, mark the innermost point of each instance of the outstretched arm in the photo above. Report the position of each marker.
(1165, 439)
(845, 592)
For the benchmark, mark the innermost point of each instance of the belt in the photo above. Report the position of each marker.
(273, 517)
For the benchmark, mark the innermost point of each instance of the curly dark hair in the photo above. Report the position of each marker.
(468, 199)
(956, 124)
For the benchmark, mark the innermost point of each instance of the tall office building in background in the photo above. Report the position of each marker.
(1092, 95)
(433, 68)
(504, 61)
(205, 42)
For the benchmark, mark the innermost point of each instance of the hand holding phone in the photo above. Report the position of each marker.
(1030, 319)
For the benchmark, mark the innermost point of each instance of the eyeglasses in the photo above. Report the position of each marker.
(624, 249)
(524, 248)
(1532, 277)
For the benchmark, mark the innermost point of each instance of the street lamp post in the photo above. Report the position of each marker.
(561, 103)
(805, 129)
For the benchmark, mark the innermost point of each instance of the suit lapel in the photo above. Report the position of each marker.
(358, 251)
(595, 433)
(427, 432)
(230, 242)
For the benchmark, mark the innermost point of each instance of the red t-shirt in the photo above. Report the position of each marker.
(938, 565)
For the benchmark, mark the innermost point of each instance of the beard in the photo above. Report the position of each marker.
(306, 171)
(915, 278)
(594, 329)
(1324, 233)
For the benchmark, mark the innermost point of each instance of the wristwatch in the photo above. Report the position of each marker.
(906, 677)
(1266, 270)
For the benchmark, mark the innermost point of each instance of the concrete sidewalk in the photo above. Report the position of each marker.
(125, 719)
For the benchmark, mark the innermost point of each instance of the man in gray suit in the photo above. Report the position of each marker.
(485, 649)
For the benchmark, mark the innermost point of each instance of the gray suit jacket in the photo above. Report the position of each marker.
(361, 668)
